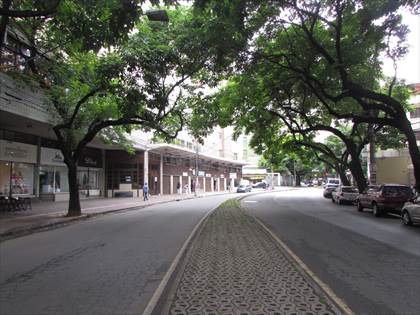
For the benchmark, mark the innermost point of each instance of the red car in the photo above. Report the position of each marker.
(385, 198)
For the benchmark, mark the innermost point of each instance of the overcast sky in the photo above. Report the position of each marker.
(409, 67)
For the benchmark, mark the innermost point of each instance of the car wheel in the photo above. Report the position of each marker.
(376, 211)
(406, 218)
(359, 206)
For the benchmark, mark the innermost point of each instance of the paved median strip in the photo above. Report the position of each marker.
(234, 266)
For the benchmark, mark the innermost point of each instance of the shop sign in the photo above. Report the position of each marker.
(208, 175)
(51, 157)
(222, 176)
(232, 175)
(17, 152)
(184, 173)
(91, 160)
(201, 173)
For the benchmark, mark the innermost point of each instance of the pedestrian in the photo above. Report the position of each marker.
(145, 192)
(193, 186)
(178, 188)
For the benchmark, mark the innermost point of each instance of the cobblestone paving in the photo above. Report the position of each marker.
(235, 267)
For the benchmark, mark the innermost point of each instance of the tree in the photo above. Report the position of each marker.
(332, 49)
(141, 82)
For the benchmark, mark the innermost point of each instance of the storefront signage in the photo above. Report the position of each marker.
(222, 176)
(51, 157)
(208, 175)
(201, 173)
(17, 152)
(232, 175)
(91, 159)
(184, 173)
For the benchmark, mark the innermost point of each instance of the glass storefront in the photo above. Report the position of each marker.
(88, 179)
(53, 179)
(16, 176)
(4, 178)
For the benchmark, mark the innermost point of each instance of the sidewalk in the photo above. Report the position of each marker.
(47, 214)
(234, 266)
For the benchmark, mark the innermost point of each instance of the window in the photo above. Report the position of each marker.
(4, 178)
(22, 179)
(53, 179)
(88, 179)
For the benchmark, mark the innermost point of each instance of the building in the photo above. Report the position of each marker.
(31, 163)
(395, 166)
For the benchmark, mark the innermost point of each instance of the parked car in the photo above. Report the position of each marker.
(332, 181)
(345, 194)
(260, 185)
(385, 198)
(328, 189)
(410, 213)
(244, 188)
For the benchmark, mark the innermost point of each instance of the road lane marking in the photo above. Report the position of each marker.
(327, 290)
(250, 201)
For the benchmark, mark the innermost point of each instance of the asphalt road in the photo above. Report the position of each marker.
(373, 264)
(106, 265)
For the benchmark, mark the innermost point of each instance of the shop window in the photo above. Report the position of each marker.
(53, 179)
(22, 179)
(4, 178)
(88, 179)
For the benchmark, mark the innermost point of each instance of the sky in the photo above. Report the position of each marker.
(409, 67)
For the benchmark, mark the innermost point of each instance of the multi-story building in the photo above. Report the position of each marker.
(395, 166)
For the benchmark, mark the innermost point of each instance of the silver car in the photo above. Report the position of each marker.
(411, 212)
(345, 194)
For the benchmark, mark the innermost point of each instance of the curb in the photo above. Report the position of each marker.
(325, 289)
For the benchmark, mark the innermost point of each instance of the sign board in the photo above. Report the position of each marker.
(156, 180)
(52, 157)
(208, 175)
(201, 173)
(232, 175)
(184, 173)
(17, 152)
(222, 176)
(91, 158)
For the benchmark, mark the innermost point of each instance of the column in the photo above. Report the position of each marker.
(105, 178)
(225, 181)
(212, 186)
(37, 167)
(146, 168)
(189, 184)
(218, 184)
(161, 175)
(171, 184)
(232, 184)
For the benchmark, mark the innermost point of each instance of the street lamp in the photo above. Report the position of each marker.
(157, 15)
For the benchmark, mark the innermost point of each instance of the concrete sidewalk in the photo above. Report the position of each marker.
(47, 214)
(234, 266)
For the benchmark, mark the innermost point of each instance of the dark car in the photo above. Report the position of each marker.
(259, 185)
(385, 198)
(328, 189)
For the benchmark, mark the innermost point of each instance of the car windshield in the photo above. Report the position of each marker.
(349, 189)
(397, 191)
(334, 181)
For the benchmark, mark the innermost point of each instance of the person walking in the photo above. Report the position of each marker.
(178, 188)
(145, 192)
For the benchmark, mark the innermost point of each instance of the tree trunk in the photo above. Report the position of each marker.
(74, 202)
(343, 177)
(413, 149)
(297, 183)
(356, 170)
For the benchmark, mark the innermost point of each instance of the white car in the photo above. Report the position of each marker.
(345, 194)
(410, 212)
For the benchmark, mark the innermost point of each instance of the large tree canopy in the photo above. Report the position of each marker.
(322, 59)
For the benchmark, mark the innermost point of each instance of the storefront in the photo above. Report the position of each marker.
(17, 167)
(90, 175)
(53, 178)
